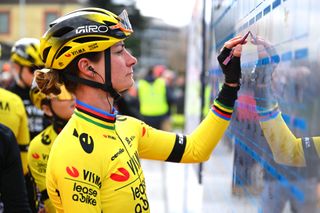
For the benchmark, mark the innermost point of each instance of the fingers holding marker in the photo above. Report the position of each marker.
(236, 40)
(237, 50)
(231, 44)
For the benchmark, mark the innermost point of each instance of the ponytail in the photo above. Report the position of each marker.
(48, 81)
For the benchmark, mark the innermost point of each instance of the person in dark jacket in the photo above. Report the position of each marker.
(13, 191)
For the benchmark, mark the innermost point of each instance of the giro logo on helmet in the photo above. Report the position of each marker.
(92, 29)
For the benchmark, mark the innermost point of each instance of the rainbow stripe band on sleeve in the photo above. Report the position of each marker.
(221, 110)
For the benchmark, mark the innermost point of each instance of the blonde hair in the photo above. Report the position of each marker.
(48, 81)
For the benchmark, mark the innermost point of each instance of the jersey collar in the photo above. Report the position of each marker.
(95, 115)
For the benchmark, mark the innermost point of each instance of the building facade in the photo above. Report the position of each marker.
(29, 18)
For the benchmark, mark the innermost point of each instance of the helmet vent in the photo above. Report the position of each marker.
(31, 59)
(108, 23)
(63, 50)
(34, 47)
(45, 53)
(89, 39)
(62, 31)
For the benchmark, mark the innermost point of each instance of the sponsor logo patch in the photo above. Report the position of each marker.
(85, 187)
(139, 195)
(121, 176)
(84, 194)
(93, 46)
(36, 156)
(121, 150)
(73, 172)
(78, 52)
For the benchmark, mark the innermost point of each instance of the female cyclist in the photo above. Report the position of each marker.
(59, 109)
(94, 163)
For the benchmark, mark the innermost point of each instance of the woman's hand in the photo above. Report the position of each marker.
(229, 60)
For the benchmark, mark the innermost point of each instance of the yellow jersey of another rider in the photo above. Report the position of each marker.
(14, 115)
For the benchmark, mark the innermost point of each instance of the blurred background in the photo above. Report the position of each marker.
(185, 37)
(157, 24)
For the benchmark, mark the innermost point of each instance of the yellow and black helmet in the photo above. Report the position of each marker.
(36, 96)
(82, 31)
(26, 52)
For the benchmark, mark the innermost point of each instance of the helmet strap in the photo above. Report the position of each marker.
(87, 82)
(107, 86)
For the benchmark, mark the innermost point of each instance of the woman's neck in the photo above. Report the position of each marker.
(95, 97)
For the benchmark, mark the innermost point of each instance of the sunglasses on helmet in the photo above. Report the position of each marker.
(124, 23)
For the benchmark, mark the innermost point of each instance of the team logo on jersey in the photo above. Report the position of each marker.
(36, 156)
(45, 139)
(121, 176)
(73, 172)
(86, 141)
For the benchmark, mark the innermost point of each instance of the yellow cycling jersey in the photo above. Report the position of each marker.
(94, 163)
(14, 116)
(38, 156)
(285, 146)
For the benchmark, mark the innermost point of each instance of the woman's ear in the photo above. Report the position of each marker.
(83, 65)
(47, 110)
